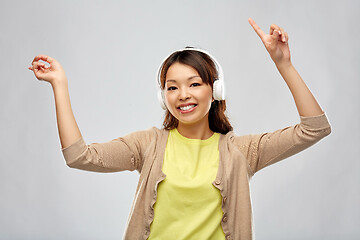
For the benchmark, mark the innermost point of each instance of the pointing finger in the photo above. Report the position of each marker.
(257, 29)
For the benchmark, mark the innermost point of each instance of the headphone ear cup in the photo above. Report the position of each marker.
(219, 90)
(161, 99)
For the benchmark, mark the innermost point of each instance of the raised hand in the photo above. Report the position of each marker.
(52, 74)
(276, 43)
(68, 130)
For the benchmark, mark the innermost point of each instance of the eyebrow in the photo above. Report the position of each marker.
(171, 80)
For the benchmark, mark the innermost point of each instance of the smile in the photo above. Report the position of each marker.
(188, 108)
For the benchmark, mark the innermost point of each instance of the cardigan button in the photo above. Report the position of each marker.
(217, 182)
(147, 231)
(225, 219)
(224, 199)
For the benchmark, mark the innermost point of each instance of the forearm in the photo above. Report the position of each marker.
(305, 101)
(68, 129)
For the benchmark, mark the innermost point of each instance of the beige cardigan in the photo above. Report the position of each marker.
(240, 158)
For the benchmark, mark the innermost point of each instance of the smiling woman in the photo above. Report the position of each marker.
(188, 99)
(185, 73)
(194, 172)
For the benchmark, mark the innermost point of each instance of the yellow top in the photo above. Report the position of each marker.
(188, 206)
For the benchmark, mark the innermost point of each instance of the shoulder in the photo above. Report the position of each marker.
(147, 135)
(232, 136)
(242, 142)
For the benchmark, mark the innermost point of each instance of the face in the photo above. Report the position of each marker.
(187, 97)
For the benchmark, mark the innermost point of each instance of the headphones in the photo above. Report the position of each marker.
(218, 85)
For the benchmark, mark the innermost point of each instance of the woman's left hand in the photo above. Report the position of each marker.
(276, 43)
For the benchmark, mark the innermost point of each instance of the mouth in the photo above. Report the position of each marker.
(187, 108)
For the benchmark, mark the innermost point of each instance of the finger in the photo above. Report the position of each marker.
(39, 70)
(257, 29)
(275, 38)
(274, 27)
(43, 58)
(38, 66)
(276, 34)
(35, 66)
(283, 35)
(32, 68)
(37, 58)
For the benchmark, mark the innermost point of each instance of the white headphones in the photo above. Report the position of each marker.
(218, 85)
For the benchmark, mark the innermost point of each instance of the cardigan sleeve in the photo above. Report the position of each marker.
(123, 153)
(265, 149)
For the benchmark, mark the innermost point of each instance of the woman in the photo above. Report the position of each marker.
(195, 172)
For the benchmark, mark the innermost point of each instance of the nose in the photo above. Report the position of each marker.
(184, 94)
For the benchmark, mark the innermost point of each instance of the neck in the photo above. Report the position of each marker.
(195, 131)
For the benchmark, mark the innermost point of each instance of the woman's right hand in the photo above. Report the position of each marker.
(69, 131)
(52, 74)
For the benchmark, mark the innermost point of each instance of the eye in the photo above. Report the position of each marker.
(171, 88)
(195, 84)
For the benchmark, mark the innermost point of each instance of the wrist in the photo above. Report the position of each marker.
(59, 83)
(283, 65)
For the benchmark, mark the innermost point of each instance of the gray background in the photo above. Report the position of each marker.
(110, 51)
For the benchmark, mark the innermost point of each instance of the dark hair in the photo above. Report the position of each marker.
(204, 65)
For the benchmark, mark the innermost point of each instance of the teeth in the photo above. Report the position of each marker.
(187, 107)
